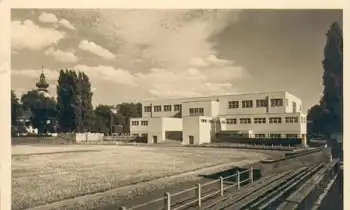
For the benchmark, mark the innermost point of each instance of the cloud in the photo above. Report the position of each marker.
(62, 56)
(28, 35)
(109, 73)
(167, 38)
(96, 49)
(67, 24)
(47, 17)
(35, 73)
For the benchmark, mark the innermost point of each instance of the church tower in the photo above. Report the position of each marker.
(42, 85)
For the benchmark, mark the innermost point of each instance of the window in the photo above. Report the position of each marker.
(260, 120)
(223, 122)
(204, 120)
(233, 104)
(167, 108)
(259, 135)
(247, 104)
(286, 101)
(276, 102)
(196, 111)
(275, 135)
(135, 123)
(144, 122)
(244, 121)
(261, 103)
(231, 121)
(275, 120)
(291, 119)
(292, 136)
(177, 107)
(211, 121)
(157, 108)
(144, 135)
(147, 108)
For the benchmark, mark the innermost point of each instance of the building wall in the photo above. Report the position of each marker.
(190, 128)
(211, 108)
(156, 127)
(223, 107)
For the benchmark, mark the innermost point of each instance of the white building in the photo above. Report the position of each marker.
(260, 115)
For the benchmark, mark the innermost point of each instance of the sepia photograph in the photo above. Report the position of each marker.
(177, 109)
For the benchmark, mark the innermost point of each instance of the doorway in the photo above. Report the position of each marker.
(155, 139)
(191, 139)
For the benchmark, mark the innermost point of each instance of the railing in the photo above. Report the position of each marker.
(250, 146)
(168, 197)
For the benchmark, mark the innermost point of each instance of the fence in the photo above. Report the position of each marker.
(200, 197)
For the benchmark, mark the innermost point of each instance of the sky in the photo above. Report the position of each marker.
(135, 55)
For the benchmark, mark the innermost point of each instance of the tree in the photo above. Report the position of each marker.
(16, 108)
(42, 109)
(327, 117)
(74, 101)
(332, 99)
(103, 119)
(129, 110)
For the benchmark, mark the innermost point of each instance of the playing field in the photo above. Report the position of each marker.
(45, 174)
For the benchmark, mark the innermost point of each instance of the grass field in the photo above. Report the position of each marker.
(46, 174)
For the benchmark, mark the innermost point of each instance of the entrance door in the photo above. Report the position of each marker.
(191, 139)
(155, 140)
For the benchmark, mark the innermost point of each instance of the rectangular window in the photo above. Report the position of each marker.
(260, 135)
(147, 108)
(292, 119)
(275, 120)
(261, 103)
(276, 102)
(144, 122)
(292, 136)
(231, 121)
(260, 120)
(204, 120)
(144, 135)
(196, 111)
(233, 104)
(157, 108)
(211, 121)
(223, 122)
(247, 104)
(177, 107)
(167, 108)
(275, 135)
(244, 121)
(135, 123)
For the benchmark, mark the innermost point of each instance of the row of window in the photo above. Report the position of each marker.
(262, 120)
(276, 102)
(136, 123)
(275, 135)
(212, 121)
(166, 108)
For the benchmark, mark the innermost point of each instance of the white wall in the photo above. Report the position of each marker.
(139, 129)
(291, 98)
(172, 124)
(155, 129)
(190, 128)
(205, 130)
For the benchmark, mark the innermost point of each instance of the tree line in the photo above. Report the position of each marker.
(72, 111)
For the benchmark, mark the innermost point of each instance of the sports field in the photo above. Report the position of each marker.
(47, 174)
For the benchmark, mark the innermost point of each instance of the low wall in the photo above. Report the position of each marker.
(223, 138)
(308, 158)
(79, 137)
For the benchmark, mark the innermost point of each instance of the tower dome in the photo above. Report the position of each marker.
(42, 85)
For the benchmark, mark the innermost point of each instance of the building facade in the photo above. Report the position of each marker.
(258, 115)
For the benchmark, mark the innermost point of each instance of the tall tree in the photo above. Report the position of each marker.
(332, 99)
(327, 117)
(43, 110)
(74, 101)
(16, 108)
